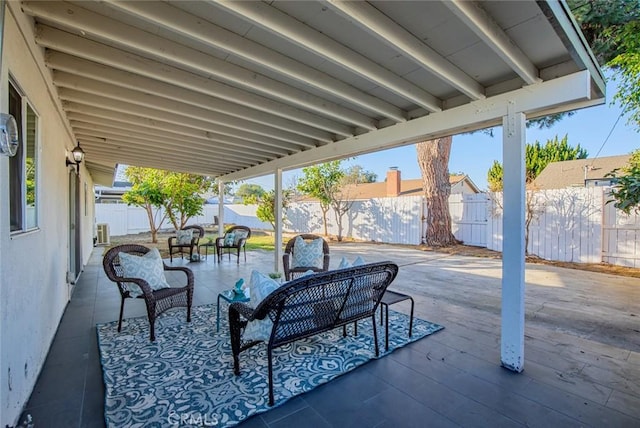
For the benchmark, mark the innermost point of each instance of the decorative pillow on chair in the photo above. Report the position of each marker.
(260, 286)
(229, 239)
(239, 234)
(148, 267)
(359, 261)
(307, 254)
(184, 237)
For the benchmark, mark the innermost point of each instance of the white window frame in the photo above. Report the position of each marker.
(23, 223)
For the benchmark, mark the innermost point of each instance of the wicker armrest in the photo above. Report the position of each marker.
(243, 309)
(144, 285)
(186, 270)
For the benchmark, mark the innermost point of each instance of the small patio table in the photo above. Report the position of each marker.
(229, 296)
(206, 249)
(389, 298)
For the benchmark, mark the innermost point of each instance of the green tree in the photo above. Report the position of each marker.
(627, 65)
(31, 182)
(322, 182)
(266, 203)
(537, 157)
(178, 193)
(626, 190)
(183, 199)
(247, 190)
(612, 29)
(355, 174)
(147, 192)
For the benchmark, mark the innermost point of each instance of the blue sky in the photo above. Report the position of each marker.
(473, 154)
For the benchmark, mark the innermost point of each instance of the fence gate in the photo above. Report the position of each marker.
(469, 218)
(620, 237)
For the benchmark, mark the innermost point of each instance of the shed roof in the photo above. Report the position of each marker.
(573, 173)
(411, 187)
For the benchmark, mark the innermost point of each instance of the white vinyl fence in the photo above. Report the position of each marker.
(124, 220)
(390, 220)
(571, 225)
(566, 224)
(394, 220)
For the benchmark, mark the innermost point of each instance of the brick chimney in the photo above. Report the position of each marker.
(393, 181)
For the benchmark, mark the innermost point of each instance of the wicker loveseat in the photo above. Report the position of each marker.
(313, 304)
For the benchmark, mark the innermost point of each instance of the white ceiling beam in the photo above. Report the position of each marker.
(95, 25)
(378, 24)
(121, 151)
(75, 110)
(147, 160)
(165, 138)
(165, 144)
(477, 19)
(129, 123)
(71, 47)
(106, 95)
(176, 20)
(176, 152)
(77, 101)
(271, 19)
(94, 73)
(567, 93)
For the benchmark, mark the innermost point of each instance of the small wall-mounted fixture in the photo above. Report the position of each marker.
(78, 156)
(9, 140)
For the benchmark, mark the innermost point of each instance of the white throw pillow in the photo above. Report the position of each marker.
(260, 286)
(229, 239)
(359, 261)
(184, 237)
(148, 267)
(239, 234)
(308, 254)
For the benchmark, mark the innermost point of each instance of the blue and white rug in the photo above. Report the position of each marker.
(185, 377)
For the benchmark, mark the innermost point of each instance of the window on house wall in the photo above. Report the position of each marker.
(23, 167)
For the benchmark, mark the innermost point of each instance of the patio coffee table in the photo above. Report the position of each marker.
(229, 296)
(389, 298)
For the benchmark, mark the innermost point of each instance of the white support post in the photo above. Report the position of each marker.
(220, 208)
(513, 251)
(278, 219)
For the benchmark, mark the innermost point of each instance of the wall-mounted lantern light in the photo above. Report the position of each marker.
(78, 156)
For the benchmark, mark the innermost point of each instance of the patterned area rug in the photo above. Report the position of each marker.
(185, 378)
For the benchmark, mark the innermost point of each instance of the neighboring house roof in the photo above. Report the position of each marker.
(558, 175)
(411, 187)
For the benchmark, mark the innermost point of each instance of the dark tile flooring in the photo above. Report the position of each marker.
(452, 378)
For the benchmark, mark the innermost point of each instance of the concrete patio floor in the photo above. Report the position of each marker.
(582, 350)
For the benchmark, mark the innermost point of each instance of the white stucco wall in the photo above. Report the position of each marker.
(33, 286)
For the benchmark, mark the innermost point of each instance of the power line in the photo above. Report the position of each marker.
(607, 139)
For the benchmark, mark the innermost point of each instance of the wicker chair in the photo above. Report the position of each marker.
(235, 246)
(174, 247)
(291, 272)
(157, 301)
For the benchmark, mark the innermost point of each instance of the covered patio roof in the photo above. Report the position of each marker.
(242, 89)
